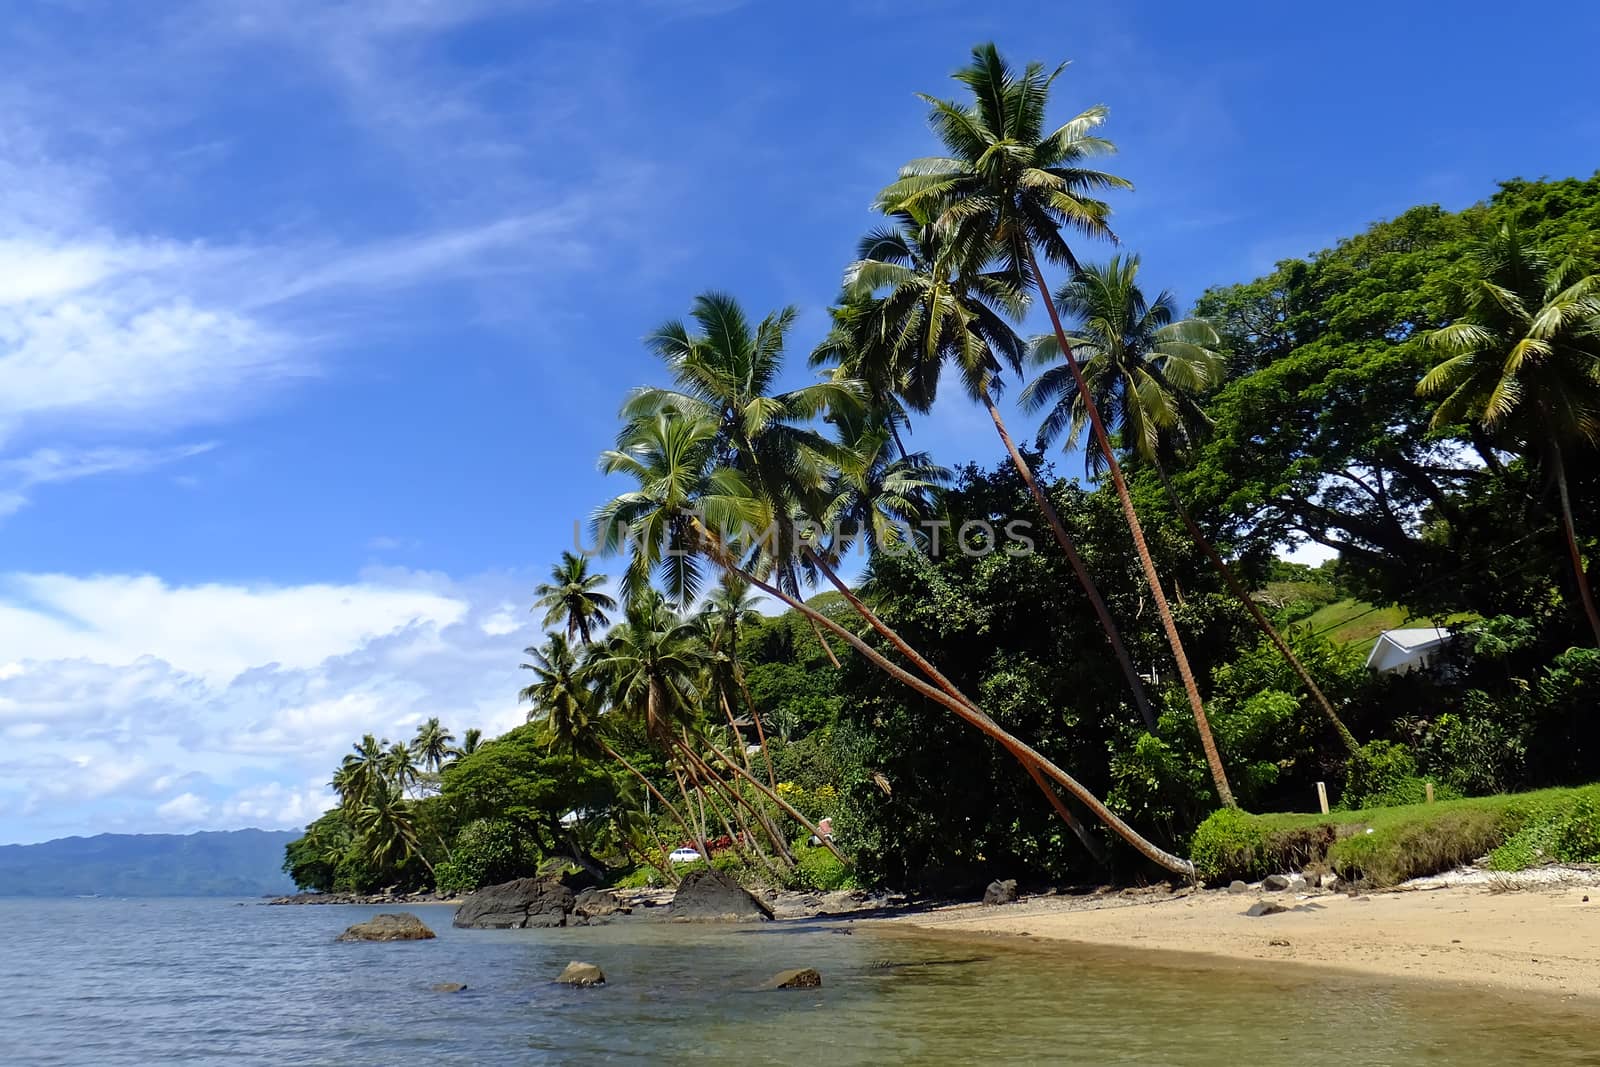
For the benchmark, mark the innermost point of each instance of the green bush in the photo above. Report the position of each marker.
(1566, 832)
(1230, 844)
(1385, 775)
(819, 869)
(487, 852)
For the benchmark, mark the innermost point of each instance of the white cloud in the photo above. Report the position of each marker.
(212, 631)
(185, 809)
(133, 704)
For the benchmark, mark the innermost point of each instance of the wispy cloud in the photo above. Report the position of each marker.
(43, 466)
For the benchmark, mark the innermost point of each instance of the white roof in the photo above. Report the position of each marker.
(1400, 650)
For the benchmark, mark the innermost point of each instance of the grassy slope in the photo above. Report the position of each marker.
(1382, 846)
(1350, 621)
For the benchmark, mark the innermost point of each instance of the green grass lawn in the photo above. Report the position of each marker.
(1355, 622)
(1385, 846)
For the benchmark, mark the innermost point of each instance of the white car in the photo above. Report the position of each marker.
(684, 855)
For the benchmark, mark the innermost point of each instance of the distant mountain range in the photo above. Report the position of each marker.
(233, 863)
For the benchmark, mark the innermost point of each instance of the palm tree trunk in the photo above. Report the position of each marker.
(728, 790)
(788, 808)
(1243, 596)
(755, 717)
(938, 678)
(825, 646)
(964, 710)
(651, 787)
(766, 823)
(1107, 625)
(1080, 831)
(1584, 592)
(1219, 777)
(697, 829)
(707, 792)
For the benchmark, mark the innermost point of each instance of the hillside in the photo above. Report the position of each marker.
(1355, 622)
(236, 863)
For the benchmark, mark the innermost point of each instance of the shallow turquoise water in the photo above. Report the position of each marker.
(182, 981)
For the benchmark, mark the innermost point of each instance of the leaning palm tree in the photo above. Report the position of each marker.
(670, 521)
(1144, 367)
(573, 596)
(728, 607)
(918, 301)
(1007, 179)
(564, 706)
(725, 370)
(1524, 361)
(432, 744)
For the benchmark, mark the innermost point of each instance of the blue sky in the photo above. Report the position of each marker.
(314, 316)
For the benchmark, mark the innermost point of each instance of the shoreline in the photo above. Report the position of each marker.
(1538, 939)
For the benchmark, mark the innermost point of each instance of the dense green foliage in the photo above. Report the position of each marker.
(1423, 399)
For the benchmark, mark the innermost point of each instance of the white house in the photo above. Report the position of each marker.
(1399, 651)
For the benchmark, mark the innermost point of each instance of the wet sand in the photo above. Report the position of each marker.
(1539, 939)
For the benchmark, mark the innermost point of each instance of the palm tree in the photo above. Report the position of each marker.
(432, 744)
(725, 372)
(1008, 180)
(1524, 362)
(565, 707)
(728, 607)
(1143, 366)
(471, 741)
(573, 596)
(362, 771)
(667, 517)
(918, 300)
(400, 767)
(388, 828)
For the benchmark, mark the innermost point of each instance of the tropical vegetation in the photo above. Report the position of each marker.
(821, 658)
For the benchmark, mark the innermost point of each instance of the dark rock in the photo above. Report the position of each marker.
(1237, 886)
(1275, 882)
(1001, 892)
(526, 902)
(1265, 907)
(800, 978)
(709, 896)
(402, 926)
(449, 987)
(1278, 942)
(595, 907)
(581, 974)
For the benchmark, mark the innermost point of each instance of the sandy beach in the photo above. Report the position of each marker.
(1528, 937)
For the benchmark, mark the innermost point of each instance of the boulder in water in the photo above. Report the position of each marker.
(582, 975)
(449, 987)
(523, 903)
(799, 978)
(709, 896)
(1001, 892)
(402, 926)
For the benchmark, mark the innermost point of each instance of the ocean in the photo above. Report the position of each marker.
(105, 982)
